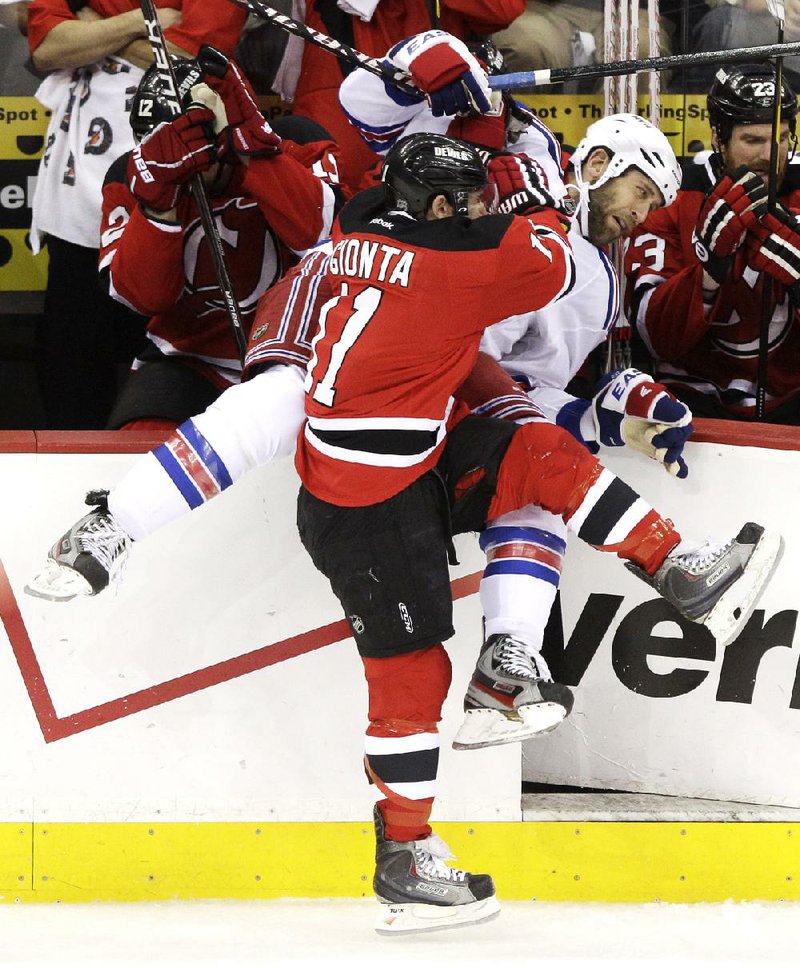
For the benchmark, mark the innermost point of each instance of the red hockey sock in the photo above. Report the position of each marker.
(406, 693)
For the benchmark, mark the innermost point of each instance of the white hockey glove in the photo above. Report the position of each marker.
(448, 74)
(629, 408)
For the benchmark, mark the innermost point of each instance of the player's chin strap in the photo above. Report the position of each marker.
(583, 202)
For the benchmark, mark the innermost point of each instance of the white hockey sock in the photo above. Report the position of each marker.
(521, 578)
(248, 426)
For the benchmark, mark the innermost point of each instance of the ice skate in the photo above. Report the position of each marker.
(511, 697)
(85, 559)
(718, 585)
(419, 892)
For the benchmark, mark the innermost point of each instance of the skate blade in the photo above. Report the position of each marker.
(55, 583)
(491, 727)
(729, 616)
(396, 919)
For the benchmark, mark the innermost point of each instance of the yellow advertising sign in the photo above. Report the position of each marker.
(23, 124)
(684, 119)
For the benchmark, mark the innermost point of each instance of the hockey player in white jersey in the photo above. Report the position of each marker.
(624, 168)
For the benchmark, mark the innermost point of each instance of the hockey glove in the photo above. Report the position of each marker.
(521, 184)
(248, 132)
(733, 206)
(167, 158)
(773, 246)
(442, 67)
(629, 408)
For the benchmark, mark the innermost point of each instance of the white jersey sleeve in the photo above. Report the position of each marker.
(382, 115)
(544, 350)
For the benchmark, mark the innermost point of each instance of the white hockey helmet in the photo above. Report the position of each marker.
(632, 142)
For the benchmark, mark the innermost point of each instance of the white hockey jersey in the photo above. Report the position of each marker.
(543, 350)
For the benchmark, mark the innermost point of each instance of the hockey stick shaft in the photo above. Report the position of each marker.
(531, 79)
(170, 85)
(522, 80)
(772, 194)
(340, 50)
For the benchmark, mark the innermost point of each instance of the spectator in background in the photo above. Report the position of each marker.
(729, 24)
(309, 77)
(97, 55)
(697, 269)
(16, 77)
(554, 33)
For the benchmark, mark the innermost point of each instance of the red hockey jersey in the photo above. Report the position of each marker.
(401, 333)
(266, 214)
(710, 349)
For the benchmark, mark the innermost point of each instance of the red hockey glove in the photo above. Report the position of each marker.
(521, 184)
(732, 207)
(772, 245)
(443, 68)
(169, 156)
(248, 132)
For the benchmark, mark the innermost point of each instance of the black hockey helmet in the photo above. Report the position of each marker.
(745, 94)
(488, 53)
(151, 105)
(424, 165)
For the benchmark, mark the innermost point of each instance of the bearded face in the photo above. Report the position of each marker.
(618, 206)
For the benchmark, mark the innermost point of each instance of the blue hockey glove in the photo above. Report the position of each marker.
(448, 74)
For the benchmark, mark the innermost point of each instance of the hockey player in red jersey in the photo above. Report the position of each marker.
(392, 465)
(270, 206)
(384, 424)
(697, 269)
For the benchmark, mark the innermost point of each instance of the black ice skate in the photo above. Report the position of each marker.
(85, 559)
(419, 892)
(511, 697)
(718, 585)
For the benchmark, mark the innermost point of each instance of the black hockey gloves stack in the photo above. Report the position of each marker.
(730, 209)
(772, 245)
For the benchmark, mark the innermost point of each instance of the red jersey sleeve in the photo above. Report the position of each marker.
(667, 279)
(128, 242)
(43, 15)
(215, 22)
(535, 266)
(294, 191)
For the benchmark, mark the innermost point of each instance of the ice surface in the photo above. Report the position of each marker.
(327, 932)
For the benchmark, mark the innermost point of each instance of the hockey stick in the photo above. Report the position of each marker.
(342, 51)
(777, 9)
(524, 79)
(532, 79)
(166, 72)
